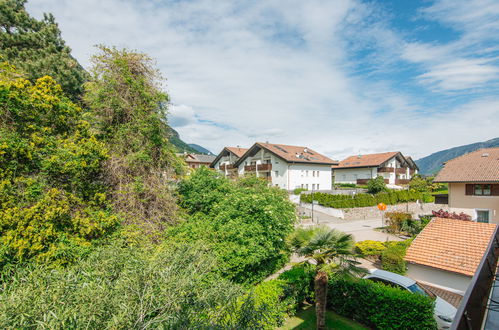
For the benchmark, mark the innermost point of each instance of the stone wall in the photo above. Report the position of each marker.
(372, 212)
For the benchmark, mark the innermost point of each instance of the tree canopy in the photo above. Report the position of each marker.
(37, 49)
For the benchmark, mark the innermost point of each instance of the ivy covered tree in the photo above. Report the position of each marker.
(37, 49)
(129, 111)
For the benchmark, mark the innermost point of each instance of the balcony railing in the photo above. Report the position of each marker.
(258, 167)
(400, 170)
(471, 311)
(224, 167)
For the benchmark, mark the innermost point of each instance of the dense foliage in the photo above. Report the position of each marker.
(53, 200)
(390, 253)
(363, 200)
(379, 306)
(36, 48)
(376, 185)
(129, 114)
(118, 287)
(244, 222)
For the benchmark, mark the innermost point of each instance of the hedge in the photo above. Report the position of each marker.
(363, 200)
(380, 306)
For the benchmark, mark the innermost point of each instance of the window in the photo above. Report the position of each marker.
(276, 173)
(306, 186)
(318, 174)
(313, 186)
(482, 215)
(313, 174)
(306, 173)
(317, 186)
(482, 190)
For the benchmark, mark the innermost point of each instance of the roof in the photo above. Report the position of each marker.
(478, 166)
(197, 158)
(237, 151)
(370, 160)
(452, 245)
(291, 154)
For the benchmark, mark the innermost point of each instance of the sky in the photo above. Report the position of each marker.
(341, 77)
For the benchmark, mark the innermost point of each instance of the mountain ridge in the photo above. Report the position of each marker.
(431, 164)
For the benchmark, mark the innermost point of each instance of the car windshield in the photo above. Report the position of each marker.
(419, 290)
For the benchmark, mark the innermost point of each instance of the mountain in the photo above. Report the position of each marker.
(433, 163)
(200, 149)
(180, 145)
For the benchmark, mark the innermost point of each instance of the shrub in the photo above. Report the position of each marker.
(346, 185)
(370, 248)
(396, 220)
(298, 191)
(392, 258)
(451, 215)
(376, 185)
(364, 200)
(299, 286)
(379, 306)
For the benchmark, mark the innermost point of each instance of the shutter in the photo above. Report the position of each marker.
(469, 189)
(494, 190)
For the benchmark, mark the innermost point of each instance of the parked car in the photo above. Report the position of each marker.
(444, 312)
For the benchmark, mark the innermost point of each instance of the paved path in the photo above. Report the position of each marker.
(360, 229)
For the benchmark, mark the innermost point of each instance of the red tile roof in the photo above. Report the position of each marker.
(295, 154)
(478, 166)
(452, 245)
(370, 160)
(237, 151)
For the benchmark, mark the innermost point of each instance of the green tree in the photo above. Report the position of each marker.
(129, 110)
(332, 251)
(376, 185)
(36, 47)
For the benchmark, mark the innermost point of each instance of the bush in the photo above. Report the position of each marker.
(370, 248)
(396, 220)
(376, 185)
(392, 258)
(346, 185)
(379, 306)
(451, 215)
(298, 191)
(125, 288)
(299, 286)
(364, 200)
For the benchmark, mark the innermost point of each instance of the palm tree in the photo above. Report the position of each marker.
(332, 252)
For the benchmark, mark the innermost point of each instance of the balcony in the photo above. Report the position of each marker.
(258, 167)
(401, 170)
(226, 167)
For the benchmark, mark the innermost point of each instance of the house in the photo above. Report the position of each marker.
(197, 160)
(225, 160)
(287, 167)
(392, 166)
(473, 184)
(447, 252)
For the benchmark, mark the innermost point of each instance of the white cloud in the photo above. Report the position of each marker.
(240, 72)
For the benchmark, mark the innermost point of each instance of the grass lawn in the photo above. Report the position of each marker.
(305, 319)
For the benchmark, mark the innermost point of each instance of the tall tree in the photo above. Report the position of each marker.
(332, 252)
(36, 47)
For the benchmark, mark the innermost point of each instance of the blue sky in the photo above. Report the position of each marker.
(341, 77)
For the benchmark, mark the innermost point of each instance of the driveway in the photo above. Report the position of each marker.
(360, 229)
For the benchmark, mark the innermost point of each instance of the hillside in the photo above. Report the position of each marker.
(433, 163)
(180, 145)
(200, 149)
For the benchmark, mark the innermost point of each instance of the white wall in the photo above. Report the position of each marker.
(450, 281)
(303, 174)
(350, 175)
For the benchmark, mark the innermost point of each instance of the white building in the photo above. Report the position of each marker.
(287, 167)
(392, 166)
(226, 159)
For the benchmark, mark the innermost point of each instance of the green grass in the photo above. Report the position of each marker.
(305, 319)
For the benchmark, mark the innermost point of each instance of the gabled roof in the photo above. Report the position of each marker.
(237, 151)
(478, 166)
(291, 154)
(369, 160)
(412, 163)
(452, 245)
(197, 158)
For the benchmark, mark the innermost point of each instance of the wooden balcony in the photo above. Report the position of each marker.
(226, 167)
(401, 170)
(258, 167)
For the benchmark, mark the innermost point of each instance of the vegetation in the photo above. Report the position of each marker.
(364, 200)
(298, 191)
(370, 248)
(244, 222)
(376, 185)
(390, 253)
(451, 215)
(332, 253)
(37, 49)
(346, 185)
(379, 306)
(306, 319)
